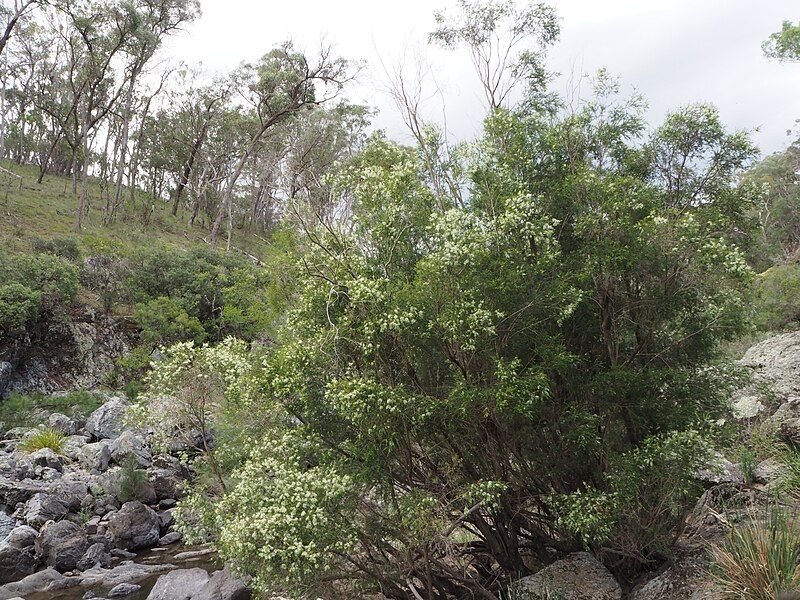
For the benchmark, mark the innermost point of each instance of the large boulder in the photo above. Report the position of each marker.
(107, 422)
(96, 554)
(579, 576)
(62, 545)
(45, 457)
(48, 581)
(17, 554)
(777, 361)
(688, 579)
(787, 420)
(181, 584)
(134, 527)
(62, 423)
(96, 456)
(129, 444)
(7, 525)
(44, 507)
(223, 586)
(166, 476)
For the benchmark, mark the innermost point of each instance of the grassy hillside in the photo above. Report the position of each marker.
(29, 210)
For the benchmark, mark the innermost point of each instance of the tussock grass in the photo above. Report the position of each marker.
(44, 438)
(758, 560)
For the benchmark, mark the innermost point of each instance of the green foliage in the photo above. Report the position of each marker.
(63, 247)
(164, 321)
(760, 557)
(19, 306)
(54, 278)
(43, 438)
(784, 45)
(635, 519)
(777, 293)
(748, 463)
(130, 481)
(21, 410)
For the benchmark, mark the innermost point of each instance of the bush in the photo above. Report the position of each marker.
(131, 480)
(759, 558)
(54, 278)
(778, 297)
(64, 247)
(164, 321)
(636, 518)
(44, 438)
(19, 306)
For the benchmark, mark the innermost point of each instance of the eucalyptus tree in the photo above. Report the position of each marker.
(506, 41)
(784, 45)
(11, 13)
(270, 91)
(153, 21)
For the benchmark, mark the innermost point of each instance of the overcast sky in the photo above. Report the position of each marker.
(673, 51)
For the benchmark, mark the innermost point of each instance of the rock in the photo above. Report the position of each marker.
(787, 420)
(62, 423)
(45, 457)
(181, 584)
(720, 470)
(44, 507)
(17, 554)
(192, 554)
(96, 456)
(61, 545)
(107, 422)
(96, 554)
(73, 446)
(129, 444)
(123, 553)
(123, 589)
(7, 525)
(687, 580)
(134, 527)
(6, 371)
(579, 576)
(777, 361)
(167, 518)
(768, 471)
(126, 572)
(223, 586)
(169, 538)
(167, 483)
(46, 581)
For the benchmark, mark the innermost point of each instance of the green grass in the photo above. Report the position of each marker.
(47, 210)
(759, 558)
(21, 410)
(44, 438)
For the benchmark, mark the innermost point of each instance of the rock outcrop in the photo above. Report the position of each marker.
(579, 576)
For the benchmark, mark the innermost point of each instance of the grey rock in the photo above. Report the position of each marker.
(6, 371)
(687, 580)
(17, 555)
(43, 507)
(777, 361)
(61, 545)
(787, 419)
(169, 538)
(122, 553)
(134, 527)
(125, 572)
(192, 554)
(223, 586)
(95, 456)
(107, 422)
(62, 423)
(7, 525)
(123, 589)
(167, 483)
(73, 446)
(96, 554)
(579, 576)
(130, 444)
(768, 471)
(45, 457)
(46, 581)
(720, 470)
(181, 584)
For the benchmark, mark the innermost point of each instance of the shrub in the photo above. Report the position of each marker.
(53, 277)
(19, 305)
(778, 297)
(649, 490)
(27, 410)
(44, 438)
(130, 481)
(759, 558)
(164, 321)
(64, 247)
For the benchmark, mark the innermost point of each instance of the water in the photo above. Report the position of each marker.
(209, 562)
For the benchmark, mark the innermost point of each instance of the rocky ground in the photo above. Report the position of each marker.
(67, 534)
